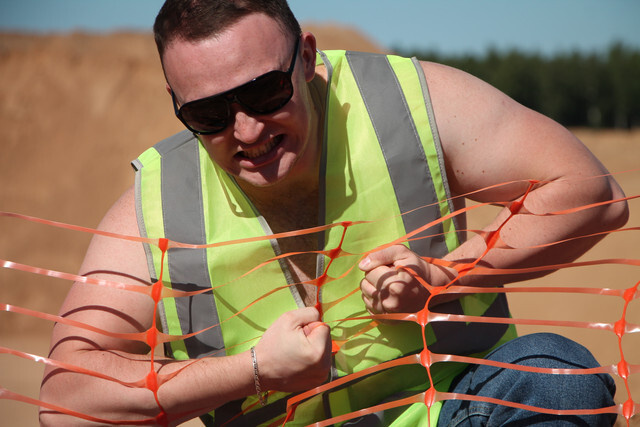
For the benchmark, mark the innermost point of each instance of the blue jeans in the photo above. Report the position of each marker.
(554, 391)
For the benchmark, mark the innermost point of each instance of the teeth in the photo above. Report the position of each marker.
(252, 154)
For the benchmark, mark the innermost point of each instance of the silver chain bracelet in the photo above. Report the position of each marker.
(262, 397)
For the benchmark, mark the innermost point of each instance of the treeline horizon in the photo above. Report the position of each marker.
(577, 89)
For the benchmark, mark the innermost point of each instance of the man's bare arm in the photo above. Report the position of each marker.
(291, 357)
(489, 139)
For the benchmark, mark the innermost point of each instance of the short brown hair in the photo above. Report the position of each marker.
(194, 20)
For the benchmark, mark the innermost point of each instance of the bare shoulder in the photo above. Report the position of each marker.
(115, 253)
(465, 106)
(112, 308)
(489, 138)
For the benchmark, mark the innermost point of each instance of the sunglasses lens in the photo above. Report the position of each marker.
(267, 93)
(263, 95)
(208, 115)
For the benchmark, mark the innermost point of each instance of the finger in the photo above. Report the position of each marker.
(368, 304)
(391, 305)
(373, 305)
(386, 256)
(367, 288)
(304, 316)
(395, 289)
(381, 275)
(309, 327)
(318, 334)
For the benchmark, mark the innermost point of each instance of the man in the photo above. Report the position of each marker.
(290, 139)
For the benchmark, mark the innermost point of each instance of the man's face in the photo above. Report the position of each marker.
(261, 150)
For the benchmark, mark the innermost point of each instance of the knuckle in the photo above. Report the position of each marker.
(288, 315)
(396, 289)
(391, 305)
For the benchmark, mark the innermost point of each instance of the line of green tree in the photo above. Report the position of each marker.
(600, 90)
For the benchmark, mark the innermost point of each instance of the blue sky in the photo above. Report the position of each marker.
(449, 26)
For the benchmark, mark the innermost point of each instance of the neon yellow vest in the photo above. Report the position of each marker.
(381, 158)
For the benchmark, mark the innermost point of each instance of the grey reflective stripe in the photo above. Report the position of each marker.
(401, 147)
(188, 268)
(409, 170)
(462, 235)
(142, 228)
(322, 187)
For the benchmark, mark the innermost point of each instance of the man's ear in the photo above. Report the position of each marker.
(309, 55)
(168, 88)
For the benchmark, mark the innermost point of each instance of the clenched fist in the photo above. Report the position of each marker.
(294, 354)
(389, 288)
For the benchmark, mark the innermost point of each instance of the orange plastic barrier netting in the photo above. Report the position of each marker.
(621, 328)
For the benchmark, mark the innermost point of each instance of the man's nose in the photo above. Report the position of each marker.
(247, 128)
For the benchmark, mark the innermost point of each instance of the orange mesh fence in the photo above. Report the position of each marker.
(625, 367)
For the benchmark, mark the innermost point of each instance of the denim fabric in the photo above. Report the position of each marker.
(554, 391)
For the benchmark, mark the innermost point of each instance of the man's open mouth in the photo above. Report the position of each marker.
(261, 150)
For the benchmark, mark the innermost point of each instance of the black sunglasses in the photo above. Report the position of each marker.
(263, 95)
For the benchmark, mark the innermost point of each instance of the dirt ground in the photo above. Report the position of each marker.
(76, 108)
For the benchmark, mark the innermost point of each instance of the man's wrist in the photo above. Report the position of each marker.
(262, 396)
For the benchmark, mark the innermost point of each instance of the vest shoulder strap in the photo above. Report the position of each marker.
(179, 163)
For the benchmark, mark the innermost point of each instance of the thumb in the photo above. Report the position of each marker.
(317, 332)
(309, 328)
(386, 256)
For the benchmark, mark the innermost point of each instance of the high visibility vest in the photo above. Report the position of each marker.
(382, 164)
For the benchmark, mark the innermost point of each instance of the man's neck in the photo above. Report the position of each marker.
(285, 192)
